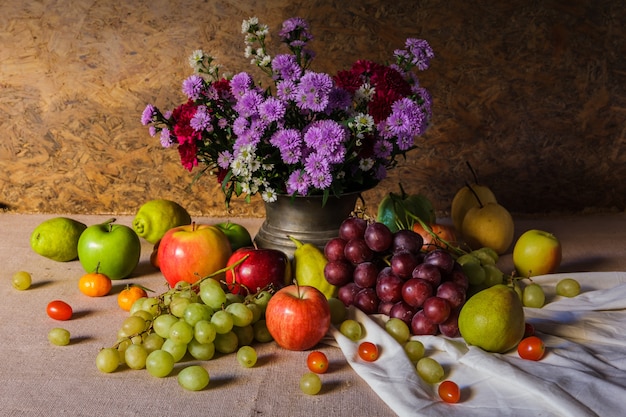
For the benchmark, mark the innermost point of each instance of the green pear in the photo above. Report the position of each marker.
(57, 238)
(156, 217)
(493, 319)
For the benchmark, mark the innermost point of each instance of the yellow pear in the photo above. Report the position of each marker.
(493, 319)
(489, 225)
(465, 199)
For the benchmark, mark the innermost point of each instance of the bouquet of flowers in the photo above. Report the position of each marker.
(309, 132)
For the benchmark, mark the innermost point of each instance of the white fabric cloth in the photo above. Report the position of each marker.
(583, 372)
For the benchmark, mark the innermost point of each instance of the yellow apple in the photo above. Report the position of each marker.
(490, 225)
(465, 199)
(536, 252)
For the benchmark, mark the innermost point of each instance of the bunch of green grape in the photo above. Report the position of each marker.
(190, 320)
(480, 267)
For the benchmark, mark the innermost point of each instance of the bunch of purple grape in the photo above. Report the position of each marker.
(384, 272)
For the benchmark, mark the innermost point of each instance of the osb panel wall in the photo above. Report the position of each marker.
(532, 93)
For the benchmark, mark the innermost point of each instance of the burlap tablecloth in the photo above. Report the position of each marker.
(38, 379)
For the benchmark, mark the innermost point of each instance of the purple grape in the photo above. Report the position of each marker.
(389, 286)
(458, 277)
(406, 241)
(338, 273)
(352, 228)
(427, 272)
(347, 293)
(450, 327)
(333, 250)
(442, 259)
(365, 274)
(403, 264)
(367, 301)
(453, 292)
(415, 291)
(420, 325)
(436, 309)
(402, 311)
(357, 251)
(378, 237)
(385, 307)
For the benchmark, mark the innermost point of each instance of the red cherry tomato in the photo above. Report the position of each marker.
(59, 310)
(449, 392)
(368, 351)
(317, 362)
(531, 348)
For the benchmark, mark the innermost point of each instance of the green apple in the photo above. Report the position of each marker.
(489, 225)
(237, 235)
(111, 249)
(536, 252)
(465, 199)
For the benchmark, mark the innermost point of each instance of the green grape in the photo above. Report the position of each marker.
(242, 315)
(415, 350)
(107, 360)
(257, 312)
(135, 356)
(21, 280)
(223, 321)
(261, 334)
(568, 287)
(160, 363)
(177, 350)
(533, 296)
(153, 342)
(261, 299)
(475, 272)
(398, 329)
(493, 275)
(181, 332)
(162, 324)
(144, 315)
(430, 370)
(226, 343)
(133, 325)
(59, 337)
(151, 305)
(212, 294)
(245, 334)
(204, 331)
(137, 306)
(178, 305)
(183, 289)
(193, 378)
(196, 312)
(487, 256)
(351, 329)
(338, 310)
(233, 298)
(201, 351)
(310, 383)
(246, 356)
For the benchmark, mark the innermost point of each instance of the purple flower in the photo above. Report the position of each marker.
(240, 83)
(248, 103)
(272, 109)
(338, 99)
(327, 138)
(313, 90)
(286, 67)
(293, 30)
(421, 53)
(201, 120)
(318, 169)
(148, 113)
(286, 90)
(224, 159)
(166, 139)
(297, 183)
(289, 143)
(382, 149)
(192, 87)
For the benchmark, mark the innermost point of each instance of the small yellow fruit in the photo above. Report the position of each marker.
(156, 217)
(464, 200)
(57, 238)
(490, 226)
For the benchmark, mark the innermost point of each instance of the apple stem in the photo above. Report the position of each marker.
(480, 203)
(110, 222)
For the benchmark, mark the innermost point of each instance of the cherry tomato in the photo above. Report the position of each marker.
(449, 392)
(531, 348)
(529, 330)
(317, 362)
(127, 297)
(368, 351)
(59, 310)
(95, 284)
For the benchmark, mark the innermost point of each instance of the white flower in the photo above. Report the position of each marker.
(364, 122)
(196, 58)
(364, 93)
(269, 195)
(246, 24)
(366, 164)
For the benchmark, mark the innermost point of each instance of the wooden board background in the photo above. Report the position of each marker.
(532, 93)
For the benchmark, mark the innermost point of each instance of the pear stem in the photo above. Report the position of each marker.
(472, 171)
(480, 203)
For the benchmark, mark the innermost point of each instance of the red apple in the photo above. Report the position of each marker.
(536, 252)
(261, 268)
(298, 317)
(193, 251)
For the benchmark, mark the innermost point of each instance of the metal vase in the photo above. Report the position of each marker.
(305, 219)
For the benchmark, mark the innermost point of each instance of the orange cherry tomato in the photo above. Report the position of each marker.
(127, 297)
(531, 348)
(95, 284)
(449, 392)
(368, 351)
(431, 242)
(317, 362)
(59, 310)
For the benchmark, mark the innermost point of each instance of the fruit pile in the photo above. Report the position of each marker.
(380, 271)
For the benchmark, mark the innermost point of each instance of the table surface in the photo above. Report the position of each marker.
(41, 379)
